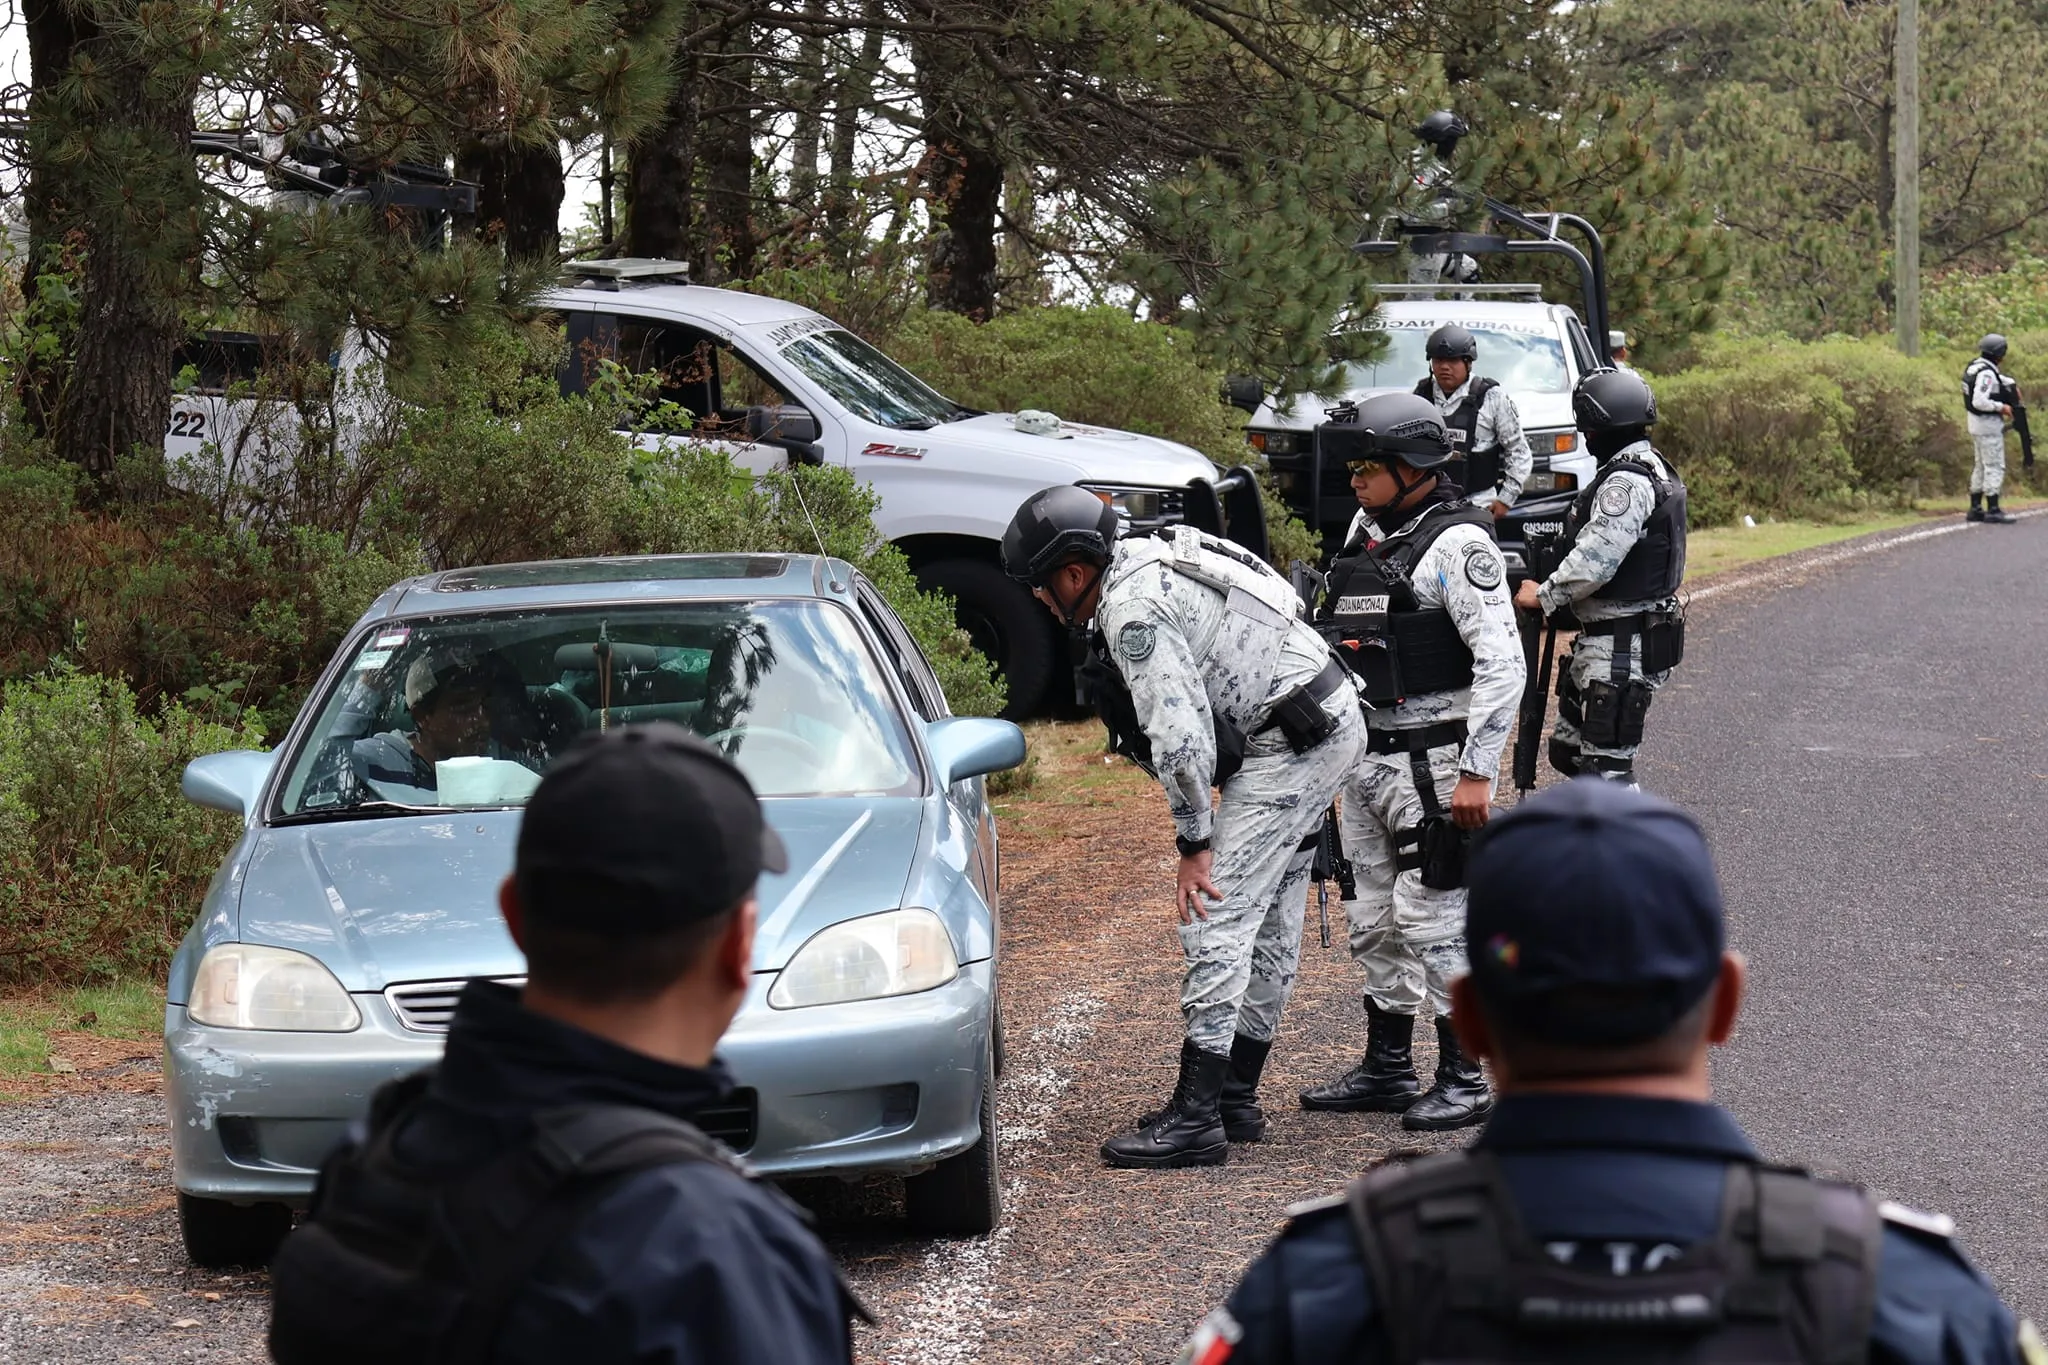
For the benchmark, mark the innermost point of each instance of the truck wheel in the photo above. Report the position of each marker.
(1004, 623)
(219, 1234)
(962, 1196)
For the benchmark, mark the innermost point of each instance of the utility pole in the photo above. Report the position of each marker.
(1906, 175)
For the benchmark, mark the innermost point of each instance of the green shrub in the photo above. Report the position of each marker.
(101, 860)
(1963, 305)
(1094, 365)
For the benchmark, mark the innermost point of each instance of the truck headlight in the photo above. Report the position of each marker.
(247, 985)
(1278, 442)
(898, 953)
(1140, 506)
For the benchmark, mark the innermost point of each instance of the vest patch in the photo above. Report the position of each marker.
(1136, 641)
(1614, 498)
(1482, 567)
(1359, 606)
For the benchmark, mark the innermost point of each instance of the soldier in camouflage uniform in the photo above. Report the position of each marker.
(1206, 675)
(1434, 747)
(1619, 580)
(1988, 397)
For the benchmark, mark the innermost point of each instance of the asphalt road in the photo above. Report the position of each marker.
(1867, 745)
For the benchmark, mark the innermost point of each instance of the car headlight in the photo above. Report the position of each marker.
(1554, 442)
(1278, 442)
(246, 985)
(899, 953)
(1141, 506)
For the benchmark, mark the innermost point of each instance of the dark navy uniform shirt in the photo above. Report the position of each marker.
(687, 1264)
(1600, 1181)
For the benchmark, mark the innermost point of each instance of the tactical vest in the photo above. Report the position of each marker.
(1791, 1276)
(1970, 373)
(1655, 564)
(389, 1265)
(1371, 617)
(1474, 471)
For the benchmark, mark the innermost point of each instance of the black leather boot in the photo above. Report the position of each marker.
(1992, 511)
(1385, 1082)
(1976, 512)
(1189, 1131)
(1460, 1097)
(1243, 1119)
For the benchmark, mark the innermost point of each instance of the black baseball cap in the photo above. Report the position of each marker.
(656, 817)
(1593, 916)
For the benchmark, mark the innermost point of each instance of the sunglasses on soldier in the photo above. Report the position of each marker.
(1365, 468)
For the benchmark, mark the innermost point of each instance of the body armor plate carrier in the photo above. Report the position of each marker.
(1371, 617)
(1474, 471)
(1790, 1276)
(1655, 565)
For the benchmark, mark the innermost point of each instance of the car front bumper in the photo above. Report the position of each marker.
(880, 1086)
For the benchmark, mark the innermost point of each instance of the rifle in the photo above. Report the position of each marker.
(2011, 395)
(1330, 862)
(1539, 646)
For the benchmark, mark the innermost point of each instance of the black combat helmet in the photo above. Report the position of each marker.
(1613, 400)
(1992, 347)
(1451, 342)
(1391, 426)
(1054, 525)
(1442, 130)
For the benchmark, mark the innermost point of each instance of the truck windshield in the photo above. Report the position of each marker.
(868, 383)
(1522, 360)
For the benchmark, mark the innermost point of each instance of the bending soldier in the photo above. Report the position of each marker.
(1490, 459)
(1206, 676)
(1610, 1211)
(1421, 613)
(1988, 397)
(1619, 577)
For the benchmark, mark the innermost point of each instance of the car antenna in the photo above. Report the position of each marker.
(796, 486)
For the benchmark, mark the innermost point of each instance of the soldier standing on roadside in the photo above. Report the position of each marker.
(1206, 676)
(1490, 458)
(1422, 615)
(1988, 397)
(1619, 579)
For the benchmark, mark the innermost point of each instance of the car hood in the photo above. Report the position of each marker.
(1078, 452)
(1539, 411)
(416, 898)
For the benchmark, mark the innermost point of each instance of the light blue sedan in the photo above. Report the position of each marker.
(331, 944)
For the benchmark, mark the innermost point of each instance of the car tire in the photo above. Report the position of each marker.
(219, 1234)
(962, 1196)
(1004, 623)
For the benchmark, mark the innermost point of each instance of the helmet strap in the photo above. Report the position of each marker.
(1397, 471)
(1066, 610)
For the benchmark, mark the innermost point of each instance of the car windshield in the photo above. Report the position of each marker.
(1522, 359)
(468, 710)
(868, 383)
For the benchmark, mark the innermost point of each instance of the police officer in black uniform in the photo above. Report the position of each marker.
(1609, 1211)
(543, 1195)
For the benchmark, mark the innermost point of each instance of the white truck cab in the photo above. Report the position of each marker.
(1537, 351)
(771, 381)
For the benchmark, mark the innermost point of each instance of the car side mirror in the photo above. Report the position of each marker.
(230, 781)
(1244, 391)
(786, 424)
(972, 746)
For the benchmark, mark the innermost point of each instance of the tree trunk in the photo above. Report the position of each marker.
(966, 185)
(55, 33)
(729, 240)
(807, 105)
(852, 95)
(519, 195)
(661, 170)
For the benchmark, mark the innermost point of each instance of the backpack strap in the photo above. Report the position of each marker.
(1804, 1250)
(508, 1218)
(1448, 1212)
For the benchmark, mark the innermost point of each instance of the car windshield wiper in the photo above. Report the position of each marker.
(962, 414)
(361, 810)
(915, 426)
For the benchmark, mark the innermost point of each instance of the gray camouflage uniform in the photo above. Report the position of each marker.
(1500, 423)
(1620, 512)
(1186, 651)
(1408, 938)
(1987, 427)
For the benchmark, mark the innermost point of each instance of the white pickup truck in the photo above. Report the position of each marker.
(771, 381)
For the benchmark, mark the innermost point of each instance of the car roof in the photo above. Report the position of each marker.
(1472, 312)
(695, 300)
(566, 582)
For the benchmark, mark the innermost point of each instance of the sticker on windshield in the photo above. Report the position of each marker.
(787, 332)
(373, 658)
(392, 639)
(888, 452)
(1534, 329)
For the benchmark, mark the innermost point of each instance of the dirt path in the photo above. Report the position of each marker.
(1089, 1265)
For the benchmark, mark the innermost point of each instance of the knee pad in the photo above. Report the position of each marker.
(1564, 757)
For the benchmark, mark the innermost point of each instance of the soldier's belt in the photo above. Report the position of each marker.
(1420, 739)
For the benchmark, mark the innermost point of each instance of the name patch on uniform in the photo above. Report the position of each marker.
(1482, 567)
(1614, 498)
(1136, 641)
(1360, 606)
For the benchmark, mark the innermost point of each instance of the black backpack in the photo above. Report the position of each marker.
(1791, 1275)
(391, 1266)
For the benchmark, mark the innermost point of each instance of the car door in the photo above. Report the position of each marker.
(701, 385)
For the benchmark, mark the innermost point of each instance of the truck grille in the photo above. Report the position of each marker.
(427, 1006)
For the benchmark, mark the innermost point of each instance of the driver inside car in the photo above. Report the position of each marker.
(460, 709)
